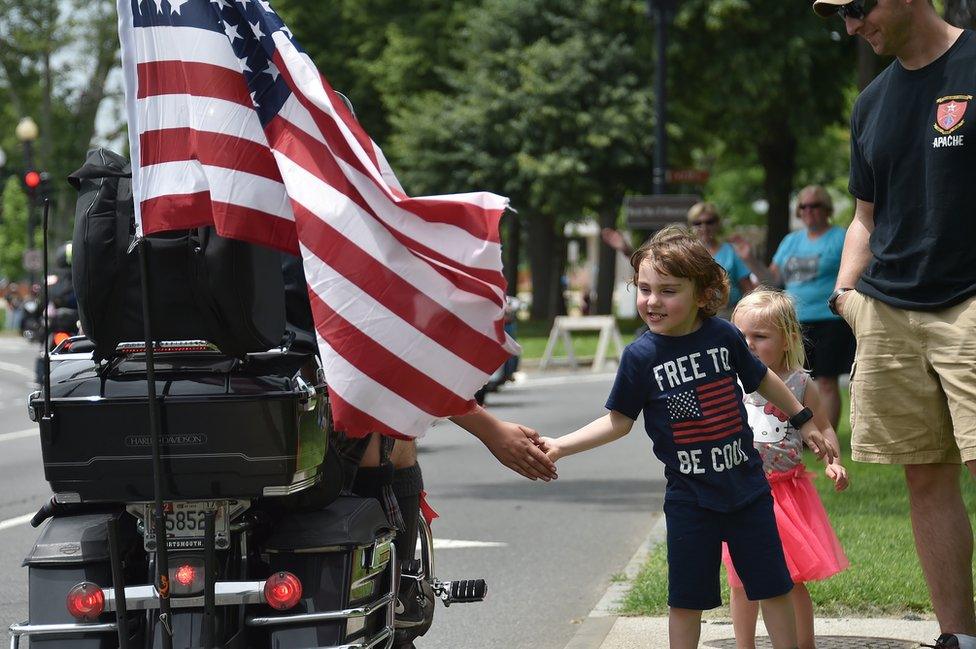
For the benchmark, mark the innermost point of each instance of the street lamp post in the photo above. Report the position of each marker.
(27, 132)
(662, 12)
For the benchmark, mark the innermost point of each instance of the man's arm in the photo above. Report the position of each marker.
(857, 253)
(514, 445)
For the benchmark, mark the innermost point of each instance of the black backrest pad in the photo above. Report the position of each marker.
(203, 286)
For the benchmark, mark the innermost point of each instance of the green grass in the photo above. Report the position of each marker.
(533, 334)
(871, 520)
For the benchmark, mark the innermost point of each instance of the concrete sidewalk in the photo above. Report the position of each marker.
(652, 632)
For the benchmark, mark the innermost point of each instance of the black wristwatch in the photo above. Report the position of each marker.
(800, 418)
(832, 300)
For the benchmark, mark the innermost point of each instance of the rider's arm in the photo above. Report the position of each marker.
(514, 445)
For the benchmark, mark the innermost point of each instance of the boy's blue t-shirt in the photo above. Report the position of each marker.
(735, 268)
(809, 269)
(693, 412)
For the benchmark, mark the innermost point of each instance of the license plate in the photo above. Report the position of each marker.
(186, 519)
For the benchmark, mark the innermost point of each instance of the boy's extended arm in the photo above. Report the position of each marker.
(598, 432)
(775, 391)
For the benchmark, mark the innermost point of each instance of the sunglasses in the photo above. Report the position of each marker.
(857, 9)
(810, 206)
(710, 221)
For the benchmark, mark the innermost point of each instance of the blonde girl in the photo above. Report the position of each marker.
(768, 320)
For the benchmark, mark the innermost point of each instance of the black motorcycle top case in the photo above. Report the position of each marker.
(230, 428)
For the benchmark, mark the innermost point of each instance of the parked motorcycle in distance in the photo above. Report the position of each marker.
(32, 320)
(62, 309)
(506, 372)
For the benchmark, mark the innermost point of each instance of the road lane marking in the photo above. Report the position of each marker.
(14, 522)
(19, 434)
(17, 369)
(455, 544)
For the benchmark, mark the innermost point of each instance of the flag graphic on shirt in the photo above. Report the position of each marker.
(705, 413)
(231, 125)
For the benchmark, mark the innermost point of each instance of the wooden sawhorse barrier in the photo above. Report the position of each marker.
(563, 325)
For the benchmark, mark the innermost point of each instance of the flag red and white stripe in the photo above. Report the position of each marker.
(231, 124)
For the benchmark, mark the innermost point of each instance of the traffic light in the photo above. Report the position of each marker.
(32, 180)
(37, 183)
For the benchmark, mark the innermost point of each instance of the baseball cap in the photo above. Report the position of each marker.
(827, 8)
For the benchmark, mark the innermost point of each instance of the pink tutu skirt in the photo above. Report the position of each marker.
(809, 543)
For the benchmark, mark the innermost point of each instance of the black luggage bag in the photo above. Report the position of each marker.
(203, 286)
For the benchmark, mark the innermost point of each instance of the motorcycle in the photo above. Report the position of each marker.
(31, 322)
(254, 558)
(198, 502)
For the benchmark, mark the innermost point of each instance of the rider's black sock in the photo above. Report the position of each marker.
(407, 485)
(370, 480)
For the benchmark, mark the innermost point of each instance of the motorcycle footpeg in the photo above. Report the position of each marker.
(462, 591)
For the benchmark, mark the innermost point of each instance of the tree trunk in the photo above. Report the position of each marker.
(512, 245)
(778, 158)
(867, 64)
(606, 265)
(557, 293)
(542, 247)
(961, 13)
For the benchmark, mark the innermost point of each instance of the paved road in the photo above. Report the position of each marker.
(22, 485)
(564, 540)
(556, 544)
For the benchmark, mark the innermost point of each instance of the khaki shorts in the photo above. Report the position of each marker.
(913, 384)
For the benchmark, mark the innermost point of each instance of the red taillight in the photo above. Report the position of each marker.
(86, 601)
(282, 590)
(186, 576)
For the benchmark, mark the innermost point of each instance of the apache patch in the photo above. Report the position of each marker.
(949, 112)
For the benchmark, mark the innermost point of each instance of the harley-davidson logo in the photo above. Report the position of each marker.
(69, 548)
(949, 112)
(182, 439)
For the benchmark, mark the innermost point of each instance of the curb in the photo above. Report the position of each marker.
(597, 625)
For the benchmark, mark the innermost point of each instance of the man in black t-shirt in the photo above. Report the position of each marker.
(907, 281)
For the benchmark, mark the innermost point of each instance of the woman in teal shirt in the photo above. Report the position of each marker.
(704, 220)
(806, 264)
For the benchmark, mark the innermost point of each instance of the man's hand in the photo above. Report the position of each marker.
(839, 303)
(521, 450)
(518, 447)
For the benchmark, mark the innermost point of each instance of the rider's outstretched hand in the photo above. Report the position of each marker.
(516, 446)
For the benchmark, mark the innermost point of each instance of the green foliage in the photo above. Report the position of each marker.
(750, 71)
(551, 107)
(755, 85)
(379, 53)
(13, 229)
(55, 59)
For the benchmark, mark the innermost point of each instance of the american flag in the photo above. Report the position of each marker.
(231, 124)
(705, 413)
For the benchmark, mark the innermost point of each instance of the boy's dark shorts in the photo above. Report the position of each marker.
(695, 536)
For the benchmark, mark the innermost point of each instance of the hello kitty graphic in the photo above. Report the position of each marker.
(768, 429)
